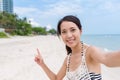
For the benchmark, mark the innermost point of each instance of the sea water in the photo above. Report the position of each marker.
(107, 42)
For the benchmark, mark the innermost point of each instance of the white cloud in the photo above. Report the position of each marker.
(62, 8)
(100, 7)
(59, 8)
(33, 22)
(24, 10)
(49, 27)
(112, 7)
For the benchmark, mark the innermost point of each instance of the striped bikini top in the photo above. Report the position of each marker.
(81, 73)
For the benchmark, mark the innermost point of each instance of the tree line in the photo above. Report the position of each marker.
(20, 26)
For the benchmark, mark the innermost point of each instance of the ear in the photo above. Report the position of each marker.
(80, 31)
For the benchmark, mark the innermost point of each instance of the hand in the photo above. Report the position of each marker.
(38, 58)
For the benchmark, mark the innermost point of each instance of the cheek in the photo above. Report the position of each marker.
(77, 36)
(63, 38)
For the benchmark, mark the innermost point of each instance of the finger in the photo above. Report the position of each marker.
(35, 59)
(38, 51)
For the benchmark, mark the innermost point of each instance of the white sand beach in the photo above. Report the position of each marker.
(17, 58)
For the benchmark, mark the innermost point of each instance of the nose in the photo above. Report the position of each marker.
(69, 34)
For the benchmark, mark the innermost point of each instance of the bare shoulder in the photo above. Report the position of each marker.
(92, 48)
(95, 50)
(95, 53)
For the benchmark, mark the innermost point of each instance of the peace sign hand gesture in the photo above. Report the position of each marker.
(38, 58)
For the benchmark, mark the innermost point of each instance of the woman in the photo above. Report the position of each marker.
(83, 60)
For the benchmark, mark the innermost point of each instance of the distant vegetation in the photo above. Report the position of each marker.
(14, 25)
(3, 35)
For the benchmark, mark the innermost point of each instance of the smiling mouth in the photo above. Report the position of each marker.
(70, 41)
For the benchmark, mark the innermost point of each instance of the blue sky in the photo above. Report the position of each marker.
(97, 16)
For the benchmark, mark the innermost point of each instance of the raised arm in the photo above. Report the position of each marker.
(110, 59)
(40, 62)
(50, 74)
(113, 58)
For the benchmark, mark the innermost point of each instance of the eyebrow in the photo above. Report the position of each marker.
(70, 28)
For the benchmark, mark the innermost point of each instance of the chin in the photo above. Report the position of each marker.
(71, 45)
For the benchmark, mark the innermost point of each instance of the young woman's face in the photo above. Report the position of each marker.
(70, 33)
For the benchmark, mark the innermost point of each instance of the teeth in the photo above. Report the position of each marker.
(70, 40)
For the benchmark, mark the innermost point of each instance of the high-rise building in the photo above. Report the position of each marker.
(6, 5)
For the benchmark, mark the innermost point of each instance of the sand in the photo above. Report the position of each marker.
(17, 58)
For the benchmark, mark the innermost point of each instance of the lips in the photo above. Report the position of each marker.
(70, 41)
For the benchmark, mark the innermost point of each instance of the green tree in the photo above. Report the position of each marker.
(19, 26)
(23, 28)
(12, 24)
(52, 31)
(39, 30)
(3, 35)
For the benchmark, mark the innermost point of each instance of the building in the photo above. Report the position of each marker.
(6, 5)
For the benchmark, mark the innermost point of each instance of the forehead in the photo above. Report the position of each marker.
(67, 25)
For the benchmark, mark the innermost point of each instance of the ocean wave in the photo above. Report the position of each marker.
(107, 50)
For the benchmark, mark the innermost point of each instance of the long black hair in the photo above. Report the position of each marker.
(70, 18)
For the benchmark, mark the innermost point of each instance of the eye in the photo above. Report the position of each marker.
(73, 30)
(63, 32)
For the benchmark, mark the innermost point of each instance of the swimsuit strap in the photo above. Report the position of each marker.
(68, 61)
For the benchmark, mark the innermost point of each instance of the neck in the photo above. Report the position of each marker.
(77, 49)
